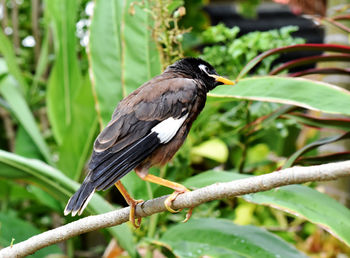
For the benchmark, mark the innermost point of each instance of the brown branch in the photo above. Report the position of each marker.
(216, 191)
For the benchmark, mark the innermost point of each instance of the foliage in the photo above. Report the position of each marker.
(229, 54)
(55, 99)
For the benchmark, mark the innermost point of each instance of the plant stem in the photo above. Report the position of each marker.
(153, 221)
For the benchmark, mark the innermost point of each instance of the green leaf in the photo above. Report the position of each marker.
(20, 109)
(24, 145)
(314, 145)
(77, 141)
(8, 52)
(19, 230)
(221, 238)
(321, 122)
(323, 159)
(304, 201)
(131, 57)
(298, 47)
(43, 61)
(61, 188)
(65, 75)
(296, 91)
(212, 177)
(301, 200)
(44, 198)
(214, 149)
(311, 60)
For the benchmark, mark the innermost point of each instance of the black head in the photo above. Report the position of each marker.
(199, 69)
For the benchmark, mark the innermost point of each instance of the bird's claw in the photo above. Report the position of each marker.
(132, 213)
(168, 202)
(188, 215)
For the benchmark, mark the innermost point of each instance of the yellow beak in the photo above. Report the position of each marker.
(222, 79)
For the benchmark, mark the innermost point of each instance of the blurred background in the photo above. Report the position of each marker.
(64, 66)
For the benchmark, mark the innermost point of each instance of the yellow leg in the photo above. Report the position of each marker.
(132, 203)
(179, 189)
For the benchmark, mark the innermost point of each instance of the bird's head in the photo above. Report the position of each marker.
(201, 70)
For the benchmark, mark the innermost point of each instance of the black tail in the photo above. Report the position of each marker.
(77, 203)
(112, 167)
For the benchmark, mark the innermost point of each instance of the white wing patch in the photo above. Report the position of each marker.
(167, 129)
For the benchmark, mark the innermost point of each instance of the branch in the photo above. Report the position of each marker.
(294, 175)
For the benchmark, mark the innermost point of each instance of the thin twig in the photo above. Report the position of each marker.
(15, 26)
(216, 191)
(9, 128)
(35, 15)
(4, 21)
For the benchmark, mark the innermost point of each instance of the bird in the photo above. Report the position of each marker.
(146, 129)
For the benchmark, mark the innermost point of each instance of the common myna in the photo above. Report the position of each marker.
(147, 128)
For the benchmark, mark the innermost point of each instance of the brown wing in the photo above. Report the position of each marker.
(138, 113)
(134, 118)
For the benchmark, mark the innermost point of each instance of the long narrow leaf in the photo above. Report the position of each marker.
(8, 52)
(341, 17)
(20, 109)
(298, 47)
(310, 60)
(314, 145)
(61, 187)
(65, 75)
(131, 57)
(77, 142)
(323, 159)
(337, 24)
(336, 123)
(328, 70)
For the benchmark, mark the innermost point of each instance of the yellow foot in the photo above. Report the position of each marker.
(168, 202)
(132, 213)
(188, 215)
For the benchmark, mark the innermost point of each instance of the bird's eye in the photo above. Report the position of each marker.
(204, 68)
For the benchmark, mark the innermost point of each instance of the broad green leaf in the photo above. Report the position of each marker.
(24, 145)
(65, 75)
(8, 52)
(314, 206)
(123, 55)
(140, 189)
(301, 200)
(61, 188)
(136, 186)
(221, 238)
(296, 91)
(44, 198)
(20, 109)
(77, 141)
(19, 230)
(214, 149)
